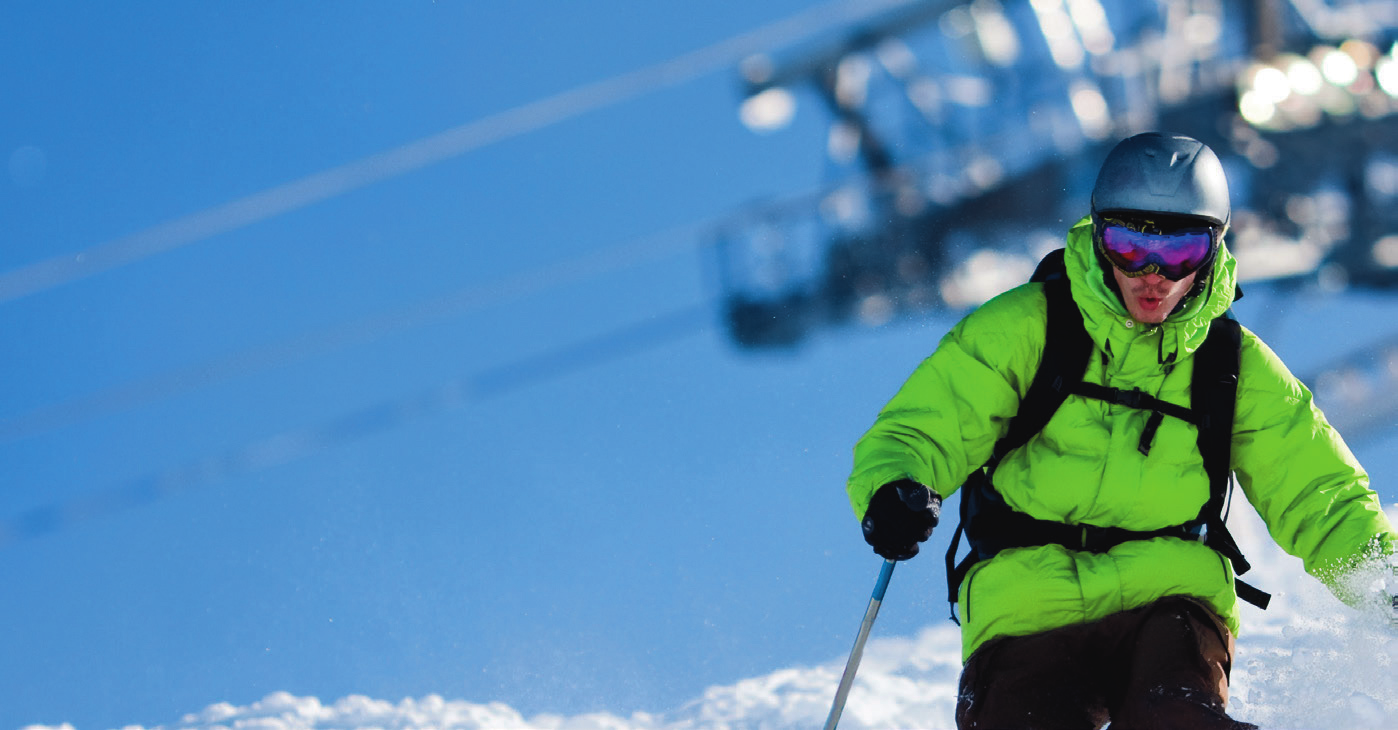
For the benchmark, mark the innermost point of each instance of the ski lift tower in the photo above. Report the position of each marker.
(964, 138)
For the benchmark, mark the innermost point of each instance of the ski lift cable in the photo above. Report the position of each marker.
(268, 356)
(326, 184)
(297, 443)
(284, 352)
(655, 246)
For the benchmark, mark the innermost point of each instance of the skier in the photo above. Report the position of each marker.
(1101, 581)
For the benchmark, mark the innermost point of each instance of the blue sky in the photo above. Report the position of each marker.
(616, 537)
(622, 536)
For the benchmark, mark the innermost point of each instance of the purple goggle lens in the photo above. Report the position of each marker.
(1173, 255)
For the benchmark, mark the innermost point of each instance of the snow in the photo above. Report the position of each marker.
(1306, 662)
(1309, 661)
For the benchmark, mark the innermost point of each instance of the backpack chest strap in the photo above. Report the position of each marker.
(1137, 398)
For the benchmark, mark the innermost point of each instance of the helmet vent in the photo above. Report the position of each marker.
(1166, 179)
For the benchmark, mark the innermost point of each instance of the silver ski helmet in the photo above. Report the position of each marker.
(1158, 173)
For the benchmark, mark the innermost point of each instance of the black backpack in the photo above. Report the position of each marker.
(990, 525)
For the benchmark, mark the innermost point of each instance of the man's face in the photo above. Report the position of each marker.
(1151, 298)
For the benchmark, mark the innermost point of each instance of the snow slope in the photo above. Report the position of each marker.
(1307, 662)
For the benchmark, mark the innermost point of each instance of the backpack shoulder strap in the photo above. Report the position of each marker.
(1214, 395)
(1067, 348)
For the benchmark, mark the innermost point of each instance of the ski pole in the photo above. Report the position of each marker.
(857, 653)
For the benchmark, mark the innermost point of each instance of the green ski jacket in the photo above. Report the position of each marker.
(1084, 467)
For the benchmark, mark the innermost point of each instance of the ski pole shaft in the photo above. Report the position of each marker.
(857, 653)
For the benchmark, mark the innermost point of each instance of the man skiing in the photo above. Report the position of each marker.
(1101, 581)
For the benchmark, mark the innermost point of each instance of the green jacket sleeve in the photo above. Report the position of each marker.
(1299, 474)
(944, 421)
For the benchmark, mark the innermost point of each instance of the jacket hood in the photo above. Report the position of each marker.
(1105, 315)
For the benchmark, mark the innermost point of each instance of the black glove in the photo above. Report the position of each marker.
(901, 515)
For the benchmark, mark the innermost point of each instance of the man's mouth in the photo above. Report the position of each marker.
(1148, 303)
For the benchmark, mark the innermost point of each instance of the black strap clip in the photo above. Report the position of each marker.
(1130, 398)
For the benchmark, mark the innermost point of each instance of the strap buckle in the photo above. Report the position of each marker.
(1130, 398)
(1097, 539)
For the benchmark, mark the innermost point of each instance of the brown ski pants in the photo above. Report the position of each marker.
(1164, 665)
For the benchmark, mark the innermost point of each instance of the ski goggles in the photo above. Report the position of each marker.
(1138, 248)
